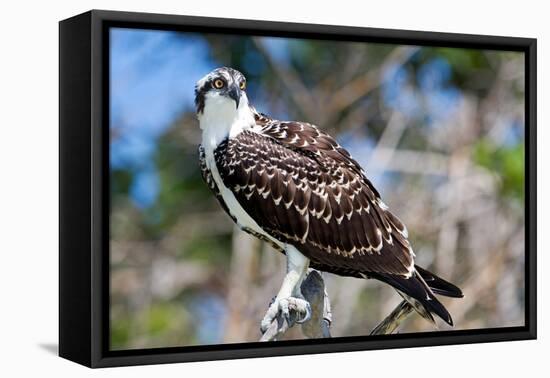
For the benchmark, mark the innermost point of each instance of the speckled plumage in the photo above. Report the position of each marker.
(302, 188)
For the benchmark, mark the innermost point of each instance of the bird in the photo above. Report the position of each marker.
(294, 186)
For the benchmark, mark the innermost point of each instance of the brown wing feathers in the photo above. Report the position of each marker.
(303, 188)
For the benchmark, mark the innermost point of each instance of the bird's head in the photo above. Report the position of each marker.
(223, 87)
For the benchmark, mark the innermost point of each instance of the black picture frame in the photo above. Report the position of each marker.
(84, 189)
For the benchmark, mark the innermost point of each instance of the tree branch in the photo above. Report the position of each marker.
(313, 289)
(394, 319)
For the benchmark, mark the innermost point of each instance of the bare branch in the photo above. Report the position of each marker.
(394, 319)
(313, 289)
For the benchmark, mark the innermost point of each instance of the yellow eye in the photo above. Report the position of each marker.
(218, 83)
(242, 85)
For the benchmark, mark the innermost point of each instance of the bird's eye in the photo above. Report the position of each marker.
(242, 85)
(218, 83)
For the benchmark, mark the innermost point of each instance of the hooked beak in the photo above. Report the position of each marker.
(235, 94)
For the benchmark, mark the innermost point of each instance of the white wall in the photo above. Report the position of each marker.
(28, 204)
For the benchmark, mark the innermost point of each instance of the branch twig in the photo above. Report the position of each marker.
(394, 319)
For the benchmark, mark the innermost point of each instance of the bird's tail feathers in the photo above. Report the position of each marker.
(438, 284)
(418, 293)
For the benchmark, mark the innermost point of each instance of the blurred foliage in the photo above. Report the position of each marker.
(507, 163)
(438, 130)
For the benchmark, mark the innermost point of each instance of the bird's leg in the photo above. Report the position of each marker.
(289, 297)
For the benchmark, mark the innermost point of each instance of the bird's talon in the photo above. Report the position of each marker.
(307, 316)
(284, 307)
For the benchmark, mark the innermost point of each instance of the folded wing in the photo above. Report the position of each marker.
(303, 188)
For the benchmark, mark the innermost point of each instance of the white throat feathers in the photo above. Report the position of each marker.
(221, 118)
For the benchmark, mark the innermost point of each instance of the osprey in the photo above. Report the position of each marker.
(292, 185)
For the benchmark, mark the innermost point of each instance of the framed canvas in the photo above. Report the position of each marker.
(235, 188)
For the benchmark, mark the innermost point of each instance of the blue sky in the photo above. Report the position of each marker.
(153, 74)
